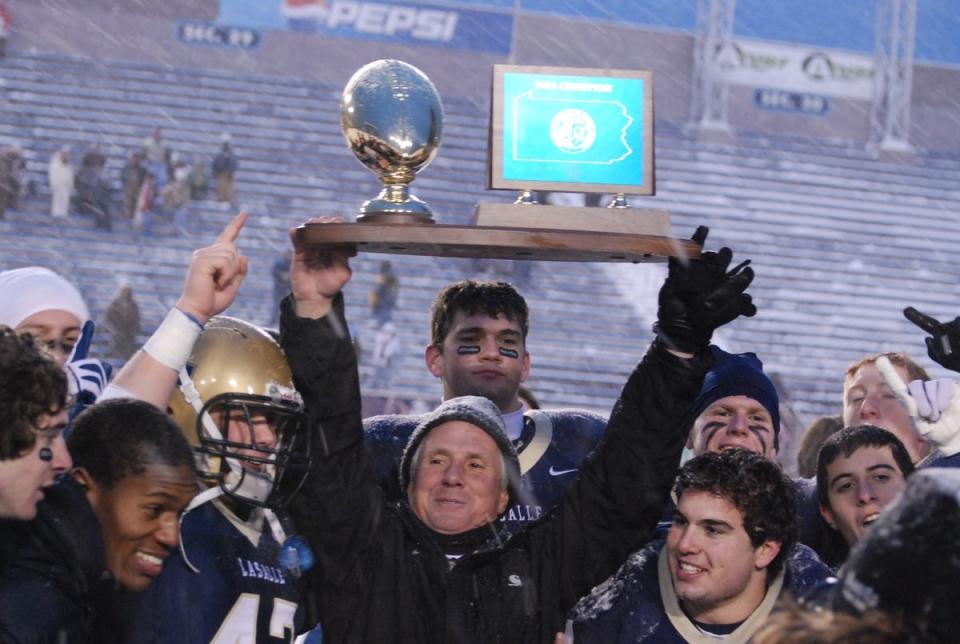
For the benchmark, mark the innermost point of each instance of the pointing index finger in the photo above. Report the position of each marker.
(232, 231)
(925, 322)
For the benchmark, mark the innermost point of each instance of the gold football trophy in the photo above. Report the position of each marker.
(392, 118)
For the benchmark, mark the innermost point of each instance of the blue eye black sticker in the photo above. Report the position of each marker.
(468, 350)
(509, 353)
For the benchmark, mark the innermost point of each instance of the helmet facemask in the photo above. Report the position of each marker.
(250, 468)
(236, 370)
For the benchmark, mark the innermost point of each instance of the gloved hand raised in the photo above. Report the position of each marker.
(944, 347)
(86, 377)
(699, 296)
(933, 405)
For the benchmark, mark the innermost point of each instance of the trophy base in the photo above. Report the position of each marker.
(498, 242)
(385, 211)
(630, 221)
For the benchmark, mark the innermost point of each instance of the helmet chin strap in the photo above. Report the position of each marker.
(244, 484)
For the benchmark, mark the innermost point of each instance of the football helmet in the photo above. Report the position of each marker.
(237, 405)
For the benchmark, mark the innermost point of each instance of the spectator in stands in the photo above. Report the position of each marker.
(386, 345)
(155, 154)
(95, 157)
(33, 414)
(859, 472)
(383, 297)
(122, 321)
(415, 564)
(730, 553)
(198, 180)
(133, 175)
(478, 347)
(60, 175)
(176, 194)
(819, 430)
(146, 201)
(224, 168)
(111, 522)
(93, 190)
(11, 164)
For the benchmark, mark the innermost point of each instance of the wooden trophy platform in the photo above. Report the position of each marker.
(519, 231)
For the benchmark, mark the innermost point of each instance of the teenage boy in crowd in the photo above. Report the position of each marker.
(860, 470)
(728, 557)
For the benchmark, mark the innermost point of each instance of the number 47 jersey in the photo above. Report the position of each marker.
(240, 594)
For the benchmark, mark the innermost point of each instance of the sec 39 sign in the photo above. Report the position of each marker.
(198, 32)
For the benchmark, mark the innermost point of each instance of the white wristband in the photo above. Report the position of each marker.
(172, 343)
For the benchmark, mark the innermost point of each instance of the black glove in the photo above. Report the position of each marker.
(944, 347)
(699, 296)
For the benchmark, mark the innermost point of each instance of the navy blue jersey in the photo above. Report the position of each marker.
(240, 594)
(630, 606)
(551, 446)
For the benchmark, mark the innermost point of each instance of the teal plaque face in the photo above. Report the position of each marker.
(572, 131)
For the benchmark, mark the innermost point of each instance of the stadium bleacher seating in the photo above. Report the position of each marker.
(841, 239)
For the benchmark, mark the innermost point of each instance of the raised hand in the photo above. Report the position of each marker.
(215, 274)
(699, 296)
(86, 377)
(944, 347)
(933, 405)
(317, 274)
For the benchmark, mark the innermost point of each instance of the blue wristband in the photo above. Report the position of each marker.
(191, 318)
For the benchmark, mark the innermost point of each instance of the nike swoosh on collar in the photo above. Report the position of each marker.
(554, 472)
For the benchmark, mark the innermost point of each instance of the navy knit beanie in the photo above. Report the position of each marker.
(477, 411)
(738, 374)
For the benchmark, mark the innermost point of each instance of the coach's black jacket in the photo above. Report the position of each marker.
(381, 575)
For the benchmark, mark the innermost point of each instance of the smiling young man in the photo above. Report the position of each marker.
(478, 348)
(738, 406)
(860, 470)
(110, 524)
(728, 556)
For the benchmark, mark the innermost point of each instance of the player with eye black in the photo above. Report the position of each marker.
(479, 348)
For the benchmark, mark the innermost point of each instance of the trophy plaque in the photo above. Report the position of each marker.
(563, 129)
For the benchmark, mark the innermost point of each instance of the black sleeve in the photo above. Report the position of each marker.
(46, 584)
(340, 505)
(623, 487)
